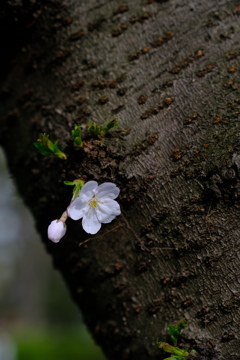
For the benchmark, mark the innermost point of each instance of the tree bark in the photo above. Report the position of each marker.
(169, 71)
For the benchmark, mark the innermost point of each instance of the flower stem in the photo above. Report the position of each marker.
(64, 217)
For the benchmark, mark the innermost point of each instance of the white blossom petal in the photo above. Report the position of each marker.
(107, 210)
(88, 190)
(90, 222)
(113, 204)
(77, 209)
(110, 219)
(103, 213)
(108, 190)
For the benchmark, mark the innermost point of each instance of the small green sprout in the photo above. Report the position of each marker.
(175, 330)
(108, 126)
(77, 135)
(78, 184)
(93, 129)
(176, 353)
(46, 147)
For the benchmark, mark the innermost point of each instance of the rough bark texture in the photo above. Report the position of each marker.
(169, 71)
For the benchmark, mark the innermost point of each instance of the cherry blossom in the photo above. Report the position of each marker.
(95, 205)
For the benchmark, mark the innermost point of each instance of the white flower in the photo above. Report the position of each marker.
(95, 205)
(56, 230)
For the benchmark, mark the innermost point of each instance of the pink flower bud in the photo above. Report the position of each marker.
(56, 230)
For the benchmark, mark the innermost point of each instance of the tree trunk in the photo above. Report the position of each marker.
(169, 71)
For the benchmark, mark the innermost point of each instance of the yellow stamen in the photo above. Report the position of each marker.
(93, 202)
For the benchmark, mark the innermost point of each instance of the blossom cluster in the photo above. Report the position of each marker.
(95, 205)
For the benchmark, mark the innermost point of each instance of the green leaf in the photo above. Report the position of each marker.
(175, 330)
(68, 182)
(46, 147)
(182, 324)
(78, 184)
(176, 353)
(93, 129)
(172, 349)
(41, 149)
(77, 136)
(108, 126)
(174, 333)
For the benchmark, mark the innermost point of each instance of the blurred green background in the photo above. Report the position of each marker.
(38, 320)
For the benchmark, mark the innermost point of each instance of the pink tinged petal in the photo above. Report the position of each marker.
(108, 190)
(88, 190)
(107, 210)
(90, 222)
(77, 209)
(56, 230)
